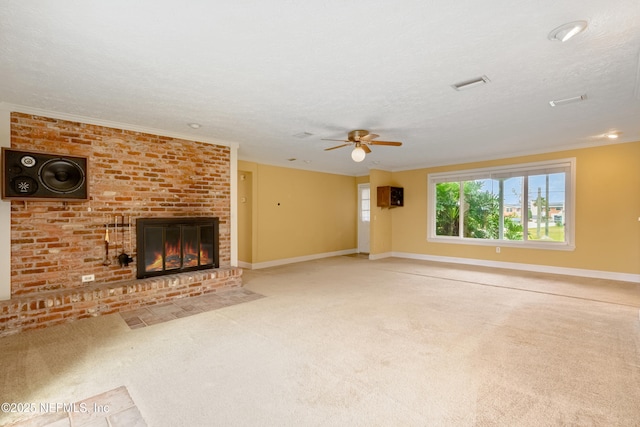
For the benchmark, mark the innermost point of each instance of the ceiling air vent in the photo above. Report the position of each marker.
(565, 101)
(468, 84)
(302, 135)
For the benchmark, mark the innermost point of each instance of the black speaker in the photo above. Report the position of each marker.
(32, 175)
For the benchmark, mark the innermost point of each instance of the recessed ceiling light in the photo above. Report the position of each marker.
(565, 101)
(468, 84)
(613, 135)
(567, 31)
(194, 125)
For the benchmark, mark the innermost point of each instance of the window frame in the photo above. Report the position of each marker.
(361, 209)
(567, 165)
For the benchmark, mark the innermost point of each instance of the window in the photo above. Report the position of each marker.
(528, 205)
(365, 204)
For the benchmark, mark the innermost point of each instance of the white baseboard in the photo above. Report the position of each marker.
(381, 256)
(596, 274)
(284, 261)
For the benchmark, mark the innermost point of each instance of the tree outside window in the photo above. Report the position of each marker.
(508, 205)
(482, 216)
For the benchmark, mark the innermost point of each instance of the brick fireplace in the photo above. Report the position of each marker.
(133, 175)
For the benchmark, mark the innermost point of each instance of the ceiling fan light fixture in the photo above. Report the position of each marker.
(358, 154)
(567, 31)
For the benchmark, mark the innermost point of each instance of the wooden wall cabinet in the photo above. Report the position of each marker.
(390, 197)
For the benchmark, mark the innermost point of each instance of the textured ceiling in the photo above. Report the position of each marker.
(259, 72)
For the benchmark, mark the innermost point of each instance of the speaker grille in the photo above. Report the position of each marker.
(32, 175)
(25, 185)
(61, 175)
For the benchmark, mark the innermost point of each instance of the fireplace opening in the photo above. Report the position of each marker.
(173, 245)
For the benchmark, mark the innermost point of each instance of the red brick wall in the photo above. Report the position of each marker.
(133, 174)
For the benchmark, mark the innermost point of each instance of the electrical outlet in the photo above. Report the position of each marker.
(497, 249)
(88, 278)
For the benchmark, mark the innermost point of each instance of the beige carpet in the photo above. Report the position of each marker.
(350, 342)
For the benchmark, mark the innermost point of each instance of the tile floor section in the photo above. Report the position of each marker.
(114, 408)
(154, 314)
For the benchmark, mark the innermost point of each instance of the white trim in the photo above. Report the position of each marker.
(233, 231)
(115, 125)
(380, 256)
(515, 168)
(360, 229)
(5, 214)
(565, 271)
(529, 244)
(285, 261)
(245, 265)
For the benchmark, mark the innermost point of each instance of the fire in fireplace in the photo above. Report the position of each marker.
(173, 245)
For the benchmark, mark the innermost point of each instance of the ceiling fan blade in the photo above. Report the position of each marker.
(338, 146)
(369, 137)
(395, 144)
(365, 148)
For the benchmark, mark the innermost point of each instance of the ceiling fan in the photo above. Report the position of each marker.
(361, 139)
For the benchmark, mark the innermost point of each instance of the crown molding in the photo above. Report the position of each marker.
(111, 124)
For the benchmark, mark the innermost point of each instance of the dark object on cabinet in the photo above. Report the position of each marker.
(390, 197)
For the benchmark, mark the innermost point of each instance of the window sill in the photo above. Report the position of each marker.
(530, 244)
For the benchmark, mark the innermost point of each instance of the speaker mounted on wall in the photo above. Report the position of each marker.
(30, 175)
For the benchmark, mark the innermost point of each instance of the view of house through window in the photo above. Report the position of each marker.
(521, 203)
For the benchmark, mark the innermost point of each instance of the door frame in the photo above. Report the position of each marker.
(361, 228)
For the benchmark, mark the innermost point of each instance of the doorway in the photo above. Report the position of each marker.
(364, 217)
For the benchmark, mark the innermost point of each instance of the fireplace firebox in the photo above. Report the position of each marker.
(174, 245)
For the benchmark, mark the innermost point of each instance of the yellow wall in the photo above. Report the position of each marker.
(245, 216)
(381, 225)
(318, 213)
(607, 233)
(298, 213)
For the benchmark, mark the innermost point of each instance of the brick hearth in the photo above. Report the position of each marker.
(61, 306)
